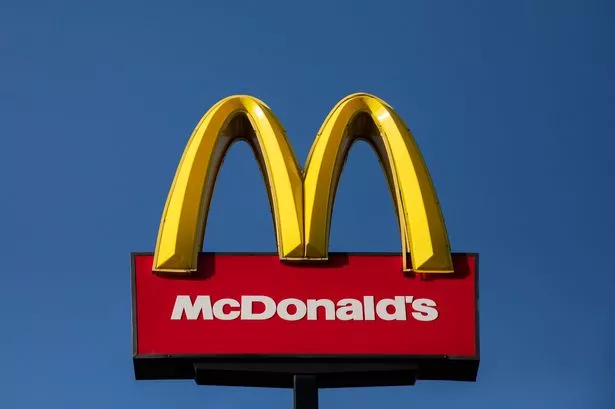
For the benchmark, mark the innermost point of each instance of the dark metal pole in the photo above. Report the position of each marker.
(305, 392)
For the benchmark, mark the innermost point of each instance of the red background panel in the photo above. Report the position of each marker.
(453, 333)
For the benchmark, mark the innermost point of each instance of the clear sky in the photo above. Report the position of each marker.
(512, 104)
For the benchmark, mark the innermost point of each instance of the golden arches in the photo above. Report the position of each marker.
(302, 203)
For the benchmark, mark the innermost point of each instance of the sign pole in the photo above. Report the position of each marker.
(305, 392)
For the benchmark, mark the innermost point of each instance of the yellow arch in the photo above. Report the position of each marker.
(182, 228)
(423, 231)
(302, 203)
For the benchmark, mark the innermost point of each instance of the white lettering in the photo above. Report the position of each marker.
(349, 310)
(247, 302)
(424, 310)
(312, 309)
(399, 304)
(219, 309)
(261, 307)
(183, 304)
(300, 309)
(368, 305)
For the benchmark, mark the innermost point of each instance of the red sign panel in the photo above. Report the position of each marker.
(353, 305)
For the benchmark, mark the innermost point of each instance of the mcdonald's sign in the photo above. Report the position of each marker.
(258, 319)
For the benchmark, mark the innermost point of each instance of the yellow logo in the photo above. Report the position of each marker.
(302, 201)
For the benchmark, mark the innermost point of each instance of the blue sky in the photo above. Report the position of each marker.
(511, 103)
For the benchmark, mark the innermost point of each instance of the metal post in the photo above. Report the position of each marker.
(305, 392)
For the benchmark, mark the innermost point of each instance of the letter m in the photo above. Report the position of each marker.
(184, 305)
(302, 200)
